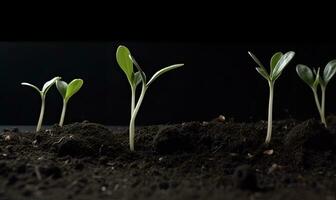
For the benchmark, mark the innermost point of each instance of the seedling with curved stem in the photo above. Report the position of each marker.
(67, 91)
(126, 61)
(277, 64)
(313, 78)
(43, 94)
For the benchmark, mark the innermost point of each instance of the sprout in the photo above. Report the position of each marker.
(313, 79)
(67, 91)
(126, 61)
(43, 94)
(277, 65)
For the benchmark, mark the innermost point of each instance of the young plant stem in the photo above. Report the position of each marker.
(133, 88)
(133, 116)
(318, 105)
(39, 124)
(63, 112)
(323, 90)
(270, 113)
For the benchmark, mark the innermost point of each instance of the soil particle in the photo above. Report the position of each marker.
(245, 178)
(310, 134)
(309, 144)
(171, 140)
(50, 170)
(4, 169)
(78, 139)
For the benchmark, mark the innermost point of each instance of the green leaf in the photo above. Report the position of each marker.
(257, 60)
(282, 63)
(274, 78)
(329, 71)
(124, 62)
(137, 78)
(32, 86)
(73, 87)
(61, 87)
(274, 60)
(263, 73)
(142, 73)
(48, 85)
(306, 74)
(162, 71)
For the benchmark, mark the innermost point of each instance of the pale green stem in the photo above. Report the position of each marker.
(39, 124)
(133, 116)
(270, 113)
(323, 89)
(133, 88)
(63, 112)
(318, 105)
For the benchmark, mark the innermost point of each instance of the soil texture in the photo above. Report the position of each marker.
(218, 159)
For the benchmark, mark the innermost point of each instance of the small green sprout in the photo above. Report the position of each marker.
(313, 78)
(278, 63)
(43, 94)
(126, 61)
(67, 91)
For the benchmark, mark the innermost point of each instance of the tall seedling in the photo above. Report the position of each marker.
(126, 61)
(277, 64)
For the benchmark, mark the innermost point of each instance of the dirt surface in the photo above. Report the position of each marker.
(195, 160)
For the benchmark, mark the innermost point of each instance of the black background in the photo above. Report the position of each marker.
(218, 78)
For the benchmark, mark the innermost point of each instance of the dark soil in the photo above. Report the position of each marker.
(195, 160)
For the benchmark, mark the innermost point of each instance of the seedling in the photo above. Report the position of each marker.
(126, 61)
(43, 94)
(278, 63)
(67, 91)
(313, 78)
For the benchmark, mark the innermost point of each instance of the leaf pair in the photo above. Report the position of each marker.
(277, 64)
(45, 87)
(126, 61)
(126, 65)
(65, 90)
(68, 90)
(43, 94)
(313, 78)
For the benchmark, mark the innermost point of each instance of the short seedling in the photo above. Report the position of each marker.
(313, 78)
(126, 61)
(43, 94)
(67, 91)
(277, 65)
